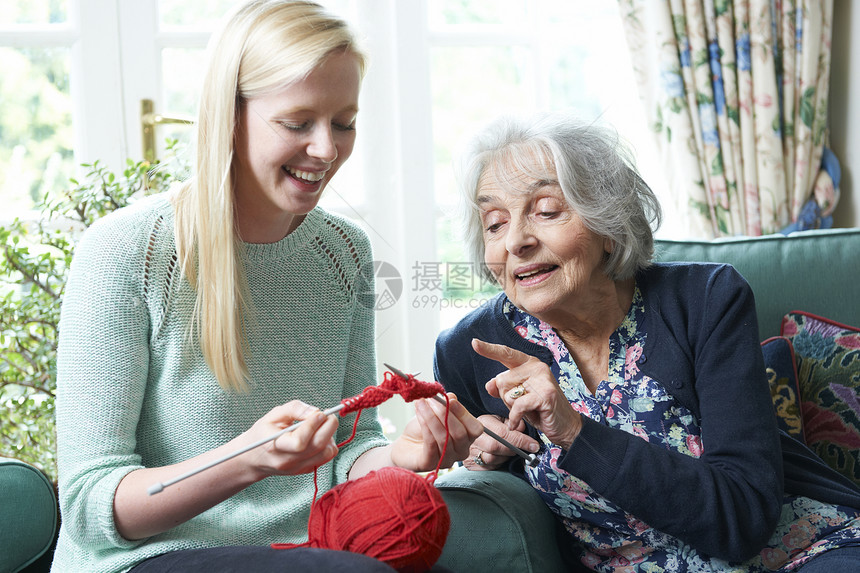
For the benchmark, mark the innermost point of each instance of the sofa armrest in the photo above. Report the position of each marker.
(28, 514)
(498, 523)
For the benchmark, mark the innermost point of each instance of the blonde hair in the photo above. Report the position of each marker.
(262, 46)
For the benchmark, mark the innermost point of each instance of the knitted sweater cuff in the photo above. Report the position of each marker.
(595, 455)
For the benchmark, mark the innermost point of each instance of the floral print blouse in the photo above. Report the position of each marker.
(611, 539)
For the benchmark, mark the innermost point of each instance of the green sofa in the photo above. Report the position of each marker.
(28, 517)
(498, 523)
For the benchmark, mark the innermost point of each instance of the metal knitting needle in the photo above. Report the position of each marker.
(158, 487)
(530, 459)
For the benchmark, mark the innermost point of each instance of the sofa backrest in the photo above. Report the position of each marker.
(814, 271)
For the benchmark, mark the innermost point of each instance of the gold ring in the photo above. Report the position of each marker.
(517, 392)
(479, 461)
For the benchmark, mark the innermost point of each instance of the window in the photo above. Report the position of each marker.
(490, 57)
(36, 140)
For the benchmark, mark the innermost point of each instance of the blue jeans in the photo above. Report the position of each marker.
(839, 560)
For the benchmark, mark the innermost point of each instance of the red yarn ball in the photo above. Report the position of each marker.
(391, 514)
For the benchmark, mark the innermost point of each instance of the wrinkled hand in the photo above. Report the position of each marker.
(310, 445)
(543, 404)
(493, 453)
(420, 446)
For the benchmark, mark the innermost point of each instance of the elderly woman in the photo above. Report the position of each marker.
(641, 384)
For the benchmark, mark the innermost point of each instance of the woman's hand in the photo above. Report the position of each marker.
(531, 392)
(139, 515)
(300, 451)
(420, 446)
(488, 454)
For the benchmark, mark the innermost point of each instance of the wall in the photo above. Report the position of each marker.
(845, 109)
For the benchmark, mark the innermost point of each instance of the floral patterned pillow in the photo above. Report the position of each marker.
(828, 368)
(784, 390)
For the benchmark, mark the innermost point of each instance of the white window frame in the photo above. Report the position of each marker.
(96, 79)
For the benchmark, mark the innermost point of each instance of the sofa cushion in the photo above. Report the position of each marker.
(784, 390)
(815, 271)
(828, 368)
(493, 514)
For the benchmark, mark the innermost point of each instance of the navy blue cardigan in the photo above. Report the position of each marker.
(703, 345)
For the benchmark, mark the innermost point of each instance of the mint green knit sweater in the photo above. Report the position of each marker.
(134, 392)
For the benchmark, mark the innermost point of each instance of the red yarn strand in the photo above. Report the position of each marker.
(411, 534)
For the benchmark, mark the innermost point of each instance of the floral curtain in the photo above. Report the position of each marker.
(736, 91)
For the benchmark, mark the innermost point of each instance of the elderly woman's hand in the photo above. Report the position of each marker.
(531, 392)
(424, 438)
(488, 454)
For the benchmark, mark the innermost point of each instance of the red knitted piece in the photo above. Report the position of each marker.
(410, 388)
(391, 514)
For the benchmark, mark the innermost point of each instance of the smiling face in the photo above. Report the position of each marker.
(290, 143)
(546, 260)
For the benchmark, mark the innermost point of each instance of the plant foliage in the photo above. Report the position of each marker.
(34, 265)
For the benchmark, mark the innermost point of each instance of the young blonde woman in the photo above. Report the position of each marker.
(201, 321)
